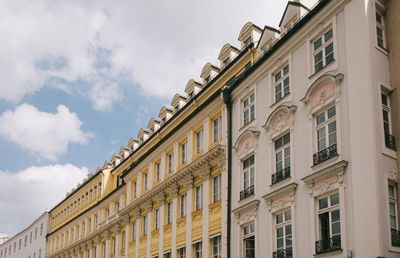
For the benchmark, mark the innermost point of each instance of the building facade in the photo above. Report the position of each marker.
(314, 162)
(31, 242)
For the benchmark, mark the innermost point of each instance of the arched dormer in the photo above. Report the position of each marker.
(322, 92)
(115, 160)
(208, 73)
(250, 33)
(165, 114)
(268, 37)
(153, 125)
(227, 54)
(192, 88)
(280, 120)
(293, 12)
(178, 101)
(246, 143)
(133, 144)
(123, 152)
(143, 135)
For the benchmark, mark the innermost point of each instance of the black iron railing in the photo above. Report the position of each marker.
(395, 237)
(328, 245)
(280, 175)
(325, 154)
(247, 192)
(390, 141)
(283, 253)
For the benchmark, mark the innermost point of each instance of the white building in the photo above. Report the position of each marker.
(314, 165)
(3, 237)
(29, 243)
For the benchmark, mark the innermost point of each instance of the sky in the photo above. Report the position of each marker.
(79, 78)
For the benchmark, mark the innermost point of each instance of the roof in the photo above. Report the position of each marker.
(287, 6)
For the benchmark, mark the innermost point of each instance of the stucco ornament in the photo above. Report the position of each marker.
(246, 142)
(280, 121)
(392, 174)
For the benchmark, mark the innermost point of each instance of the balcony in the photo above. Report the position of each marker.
(283, 253)
(328, 245)
(395, 237)
(390, 141)
(280, 175)
(247, 192)
(325, 154)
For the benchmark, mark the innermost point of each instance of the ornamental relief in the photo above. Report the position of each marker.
(326, 185)
(392, 174)
(280, 121)
(247, 143)
(281, 203)
(322, 94)
(247, 216)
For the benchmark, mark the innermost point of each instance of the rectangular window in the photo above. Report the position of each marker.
(167, 255)
(283, 229)
(323, 50)
(326, 129)
(216, 247)
(199, 141)
(248, 177)
(169, 213)
(390, 140)
(395, 233)
(95, 192)
(170, 164)
(158, 171)
(217, 129)
(113, 245)
(198, 197)
(248, 109)
(249, 241)
(144, 225)
(281, 83)
(282, 153)
(197, 250)
(89, 225)
(183, 152)
(182, 252)
(329, 224)
(183, 206)
(104, 249)
(133, 236)
(134, 190)
(380, 28)
(217, 188)
(156, 219)
(145, 181)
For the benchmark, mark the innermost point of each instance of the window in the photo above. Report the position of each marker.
(281, 83)
(133, 236)
(41, 228)
(217, 128)
(40, 253)
(216, 247)
(104, 249)
(247, 41)
(326, 135)
(248, 109)
(113, 245)
(248, 177)
(36, 233)
(380, 28)
(183, 206)
(282, 159)
(170, 164)
(100, 189)
(156, 219)
(390, 140)
(182, 252)
(323, 50)
(158, 171)
(30, 238)
(95, 221)
(169, 213)
(217, 188)
(144, 225)
(167, 255)
(283, 230)
(95, 192)
(198, 197)
(329, 224)
(395, 234)
(183, 151)
(134, 189)
(19, 244)
(89, 225)
(26, 240)
(197, 250)
(199, 141)
(145, 181)
(249, 241)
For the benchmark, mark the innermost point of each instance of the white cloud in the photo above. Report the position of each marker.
(96, 46)
(25, 195)
(44, 134)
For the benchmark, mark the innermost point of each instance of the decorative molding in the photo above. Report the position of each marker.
(126, 219)
(172, 190)
(392, 174)
(281, 198)
(148, 206)
(280, 119)
(188, 182)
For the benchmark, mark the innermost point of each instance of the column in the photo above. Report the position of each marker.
(161, 201)
(97, 253)
(108, 243)
(188, 183)
(205, 176)
(128, 192)
(173, 191)
(136, 214)
(224, 206)
(149, 207)
(127, 224)
(117, 240)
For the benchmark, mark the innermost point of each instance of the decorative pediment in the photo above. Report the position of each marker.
(280, 119)
(250, 33)
(293, 12)
(323, 90)
(281, 198)
(246, 142)
(247, 212)
(268, 37)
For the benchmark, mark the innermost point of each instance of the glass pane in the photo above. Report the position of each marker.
(385, 116)
(335, 228)
(279, 218)
(329, 58)
(334, 199)
(392, 209)
(384, 99)
(252, 112)
(251, 97)
(286, 82)
(318, 58)
(320, 118)
(393, 222)
(329, 53)
(288, 216)
(323, 203)
(331, 112)
(332, 139)
(379, 32)
(328, 35)
(391, 191)
(245, 103)
(286, 139)
(251, 158)
(277, 76)
(335, 216)
(378, 18)
(332, 127)
(289, 240)
(279, 243)
(288, 230)
(321, 134)
(286, 69)
(317, 43)
(278, 143)
(279, 232)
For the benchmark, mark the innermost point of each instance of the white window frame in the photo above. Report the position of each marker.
(198, 198)
(248, 172)
(133, 232)
(170, 162)
(248, 109)
(322, 49)
(183, 205)
(324, 126)
(250, 228)
(169, 213)
(329, 209)
(217, 128)
(216, 188)
(199, 141)
(197, 249)
(158, 171)
(145, 181)
(283, 224)
(280, 78)
(156, 219)
(183, 150)
(182, 252)
(380, 10)
(144, 225)
(216, 251)
(393, 203)
(282, 153)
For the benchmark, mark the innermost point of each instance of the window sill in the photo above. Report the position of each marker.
(279, 101)
(214, 204)
(389, 152)
(247, 125)
(329, 254)
(167, 227)
(214, 144)
(198, 155)
(322, 69)
(384, 51)
(197, 213)
(280, 183)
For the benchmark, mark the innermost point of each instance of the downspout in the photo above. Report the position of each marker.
(228, 102)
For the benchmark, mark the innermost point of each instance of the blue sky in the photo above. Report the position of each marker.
(79, 78)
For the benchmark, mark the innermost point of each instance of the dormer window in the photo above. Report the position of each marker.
(191, 95)
(207, 79)
(247, 41)
(226, 61)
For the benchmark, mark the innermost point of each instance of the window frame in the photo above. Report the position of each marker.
(216, 188)
(251, 235)
(216, 242)
(283, 225)
(325, 126)
(198, 197)
(216, 127)
(182, 205)
(250, 169)
(199, 141)
(248, 106)
(321, 49)
(281, 81)
(328, 209)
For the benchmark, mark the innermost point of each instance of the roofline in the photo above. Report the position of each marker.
(292, 3)
(266, 27)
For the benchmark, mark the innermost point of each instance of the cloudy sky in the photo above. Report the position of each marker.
(79, 78)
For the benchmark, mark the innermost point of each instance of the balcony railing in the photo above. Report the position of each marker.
(283, 253)
(395, 237)
(325, 154)
(280, 175)
(390, 141)
(328, 245)
(247, 192)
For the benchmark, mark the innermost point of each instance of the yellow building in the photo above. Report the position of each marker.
(166, 194)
